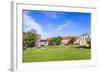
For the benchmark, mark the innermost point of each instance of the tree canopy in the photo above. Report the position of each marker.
(29, 39)
(55, 40)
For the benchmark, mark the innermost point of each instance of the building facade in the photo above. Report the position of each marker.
(44, 42)
(40, 41)
(85, 40)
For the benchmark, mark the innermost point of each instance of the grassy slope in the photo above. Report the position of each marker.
(55, 53)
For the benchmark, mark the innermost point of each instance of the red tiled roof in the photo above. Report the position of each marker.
(70, 37)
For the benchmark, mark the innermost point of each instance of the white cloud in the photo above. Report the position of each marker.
(61, 27)
(66, 25)
(52, 15)
(29, 23)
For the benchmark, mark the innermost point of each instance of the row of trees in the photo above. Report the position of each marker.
(57, 41)
(29, 39)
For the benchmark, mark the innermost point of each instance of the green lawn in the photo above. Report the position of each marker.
(56, 53)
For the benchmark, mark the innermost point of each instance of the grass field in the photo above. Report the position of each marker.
(56, 53)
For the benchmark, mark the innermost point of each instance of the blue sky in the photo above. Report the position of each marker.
(53, 23)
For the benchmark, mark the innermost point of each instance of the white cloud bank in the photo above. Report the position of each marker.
(29, 23)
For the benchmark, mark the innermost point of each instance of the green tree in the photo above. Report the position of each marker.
(29, 39)
(72, 41)
(56, 40)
